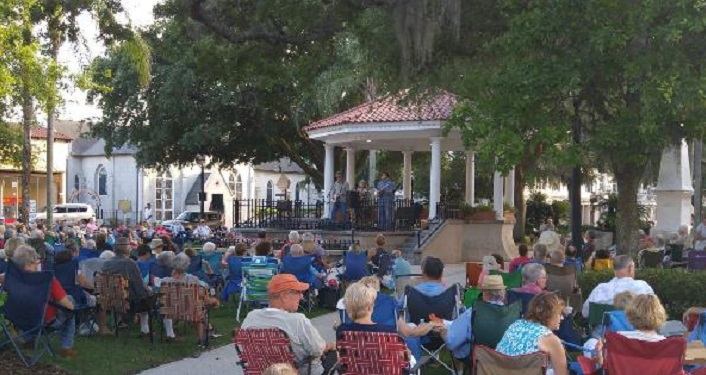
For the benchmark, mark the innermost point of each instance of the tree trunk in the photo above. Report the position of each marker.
(55, 34)
(27, 122)
(626, 223)
(520, 204)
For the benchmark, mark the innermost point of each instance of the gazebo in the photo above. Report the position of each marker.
(393, 123)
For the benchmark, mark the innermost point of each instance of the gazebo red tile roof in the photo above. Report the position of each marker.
(41, 133)
(389, 109)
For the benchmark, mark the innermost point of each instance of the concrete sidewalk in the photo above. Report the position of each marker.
(223, 360)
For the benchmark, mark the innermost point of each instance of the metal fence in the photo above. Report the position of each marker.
(362, 215)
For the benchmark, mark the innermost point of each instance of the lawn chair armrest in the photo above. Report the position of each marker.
(421, 363)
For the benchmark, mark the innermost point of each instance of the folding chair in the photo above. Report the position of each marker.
(23, 312)
(217, 279)
(470, 296)
(473, 270)
(234, 278)
(698, 329)
(374, 353)
(487, 361)
(624, 356)
(490, 322)
(196, 268)
(185, 303)
(676, 255)
(524, 298)
(596, 316)
(510, 279)
(66, 273)
(563, 281)
(112, 293)
(384, 311)
(84, 254)
(256, 276)
(301, 268)
(356, 266)
(696, 260)
(259, 348)
(159, 271)
(418, 307)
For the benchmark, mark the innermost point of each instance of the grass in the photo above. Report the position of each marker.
(129, 354)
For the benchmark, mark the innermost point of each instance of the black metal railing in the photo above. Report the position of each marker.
(362, 215)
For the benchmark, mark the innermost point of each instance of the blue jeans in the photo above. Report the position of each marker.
(341, 207)
(66, 325)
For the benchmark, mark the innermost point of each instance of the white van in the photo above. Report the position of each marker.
(70, 212)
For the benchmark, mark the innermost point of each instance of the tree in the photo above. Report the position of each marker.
(627, 74)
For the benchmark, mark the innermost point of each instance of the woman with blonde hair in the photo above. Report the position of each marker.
(647, 315)
(280, 369)
(310, 247)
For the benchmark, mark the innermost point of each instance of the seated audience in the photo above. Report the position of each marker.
(432, 273)
(233, 261)
(285, 292)
(355, 260)
(263, 249)
(144, 260)
(534, 279)
(521, 260)
(141, 298)
(312, 276)
(180, 265)
(381, 258)
(534, 333)
(600, 260)
(489, 264)
(539, 254)
(89, 267)
(647, 315)
(557, 258)
(572, 259)
(26, 258)
(292, 238)
(624, 271)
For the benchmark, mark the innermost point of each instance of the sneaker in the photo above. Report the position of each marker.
(67, 353)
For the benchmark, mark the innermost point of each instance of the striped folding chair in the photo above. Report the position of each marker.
(373, 353)
(112, 295)
(260, 348)
(185, 303)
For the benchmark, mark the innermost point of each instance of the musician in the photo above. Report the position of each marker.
(339, 202)
(386, 201)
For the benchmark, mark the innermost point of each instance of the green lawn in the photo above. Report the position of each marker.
(129, 354)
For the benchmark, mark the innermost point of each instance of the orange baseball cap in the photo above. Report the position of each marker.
(285, 281)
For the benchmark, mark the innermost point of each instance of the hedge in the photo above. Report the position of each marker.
(677, 289)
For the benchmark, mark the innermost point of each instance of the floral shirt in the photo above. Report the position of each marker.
(522, 337)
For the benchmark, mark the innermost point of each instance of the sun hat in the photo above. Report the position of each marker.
(492, 282)
(285, 281)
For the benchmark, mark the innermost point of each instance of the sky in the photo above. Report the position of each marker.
(76, 57)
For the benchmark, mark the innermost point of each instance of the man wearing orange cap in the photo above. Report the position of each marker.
(285, 292)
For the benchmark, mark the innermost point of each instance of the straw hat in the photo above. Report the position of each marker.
(493, 282)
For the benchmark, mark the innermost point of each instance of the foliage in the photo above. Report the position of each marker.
(609, 207)
(538, 211)
(10, 145)
(677, 289)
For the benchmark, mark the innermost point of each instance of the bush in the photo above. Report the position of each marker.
(677, 289)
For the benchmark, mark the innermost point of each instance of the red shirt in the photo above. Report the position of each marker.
(56, 294)
(518, 262)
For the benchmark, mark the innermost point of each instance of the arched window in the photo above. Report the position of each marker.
(270, 191)
(238, 187)
(101, 180)
(163, 197)
(231, 183)
(77, 182)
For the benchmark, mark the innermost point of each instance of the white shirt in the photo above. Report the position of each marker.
(642, 336)
(203, 230)
(605, 292)
(701, 231)
(147, 214)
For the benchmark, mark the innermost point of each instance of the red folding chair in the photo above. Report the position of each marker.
(259, 348)
(373, 353)
(624, 356)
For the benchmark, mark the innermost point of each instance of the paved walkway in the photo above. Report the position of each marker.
(222, 360)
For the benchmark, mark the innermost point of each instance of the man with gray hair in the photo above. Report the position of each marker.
(624, 270)
(539, 253)
(141, 298)
(534, 279)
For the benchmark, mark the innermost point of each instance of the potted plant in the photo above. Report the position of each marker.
(483, 213)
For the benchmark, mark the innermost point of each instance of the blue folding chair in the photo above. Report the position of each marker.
(66, 274)
(234, 277)
(356, 266)
(300, 267)
(196, 268)
(384, 311)
(256, 274)
(145, 266)
(159, 271)
(27, 299)
(699, 332)
(84, 254)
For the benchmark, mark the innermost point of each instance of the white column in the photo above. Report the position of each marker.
(407, 174)
(350, 168)
(372, 167)
(674, 190)
(434, 176)
(510, 188)
(328, 179)
(470, 177)
(498, 195)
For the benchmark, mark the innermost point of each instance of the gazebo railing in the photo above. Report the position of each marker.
(364, 215)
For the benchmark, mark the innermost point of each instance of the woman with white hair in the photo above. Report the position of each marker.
(292, 238)
(180, 264)
(312, 248)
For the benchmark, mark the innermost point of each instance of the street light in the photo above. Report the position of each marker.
(201, 160)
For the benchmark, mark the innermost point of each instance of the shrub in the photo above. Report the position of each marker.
(677, 289)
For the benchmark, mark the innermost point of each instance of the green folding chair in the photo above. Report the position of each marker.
(596, 314)
(471, 295)
(510, 279)
(256, 276)
(490, 322)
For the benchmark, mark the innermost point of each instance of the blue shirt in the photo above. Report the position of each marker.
(431, 288)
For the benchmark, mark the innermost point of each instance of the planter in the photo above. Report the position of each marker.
(482, 216)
